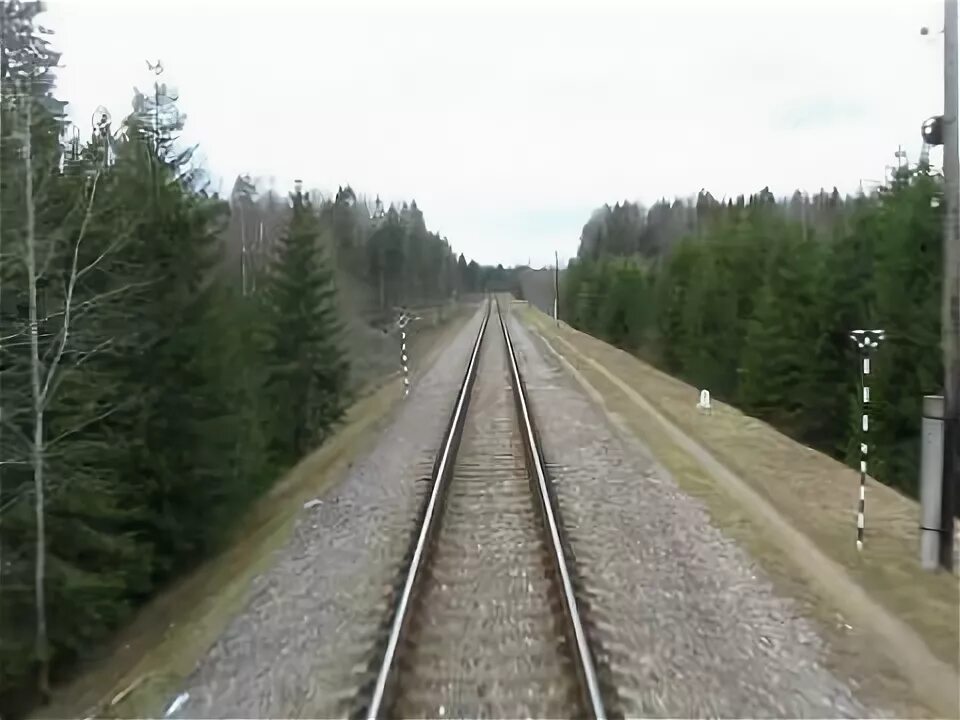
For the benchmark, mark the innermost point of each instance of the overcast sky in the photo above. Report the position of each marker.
(509, 122)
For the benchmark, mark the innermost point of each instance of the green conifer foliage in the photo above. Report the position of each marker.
(308, 369)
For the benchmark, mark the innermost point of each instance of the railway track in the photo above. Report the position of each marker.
(486, 622)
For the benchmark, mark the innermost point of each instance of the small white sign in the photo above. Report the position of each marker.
(704, 404)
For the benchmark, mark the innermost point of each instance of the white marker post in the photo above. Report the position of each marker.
(704, 404)
(867, 341)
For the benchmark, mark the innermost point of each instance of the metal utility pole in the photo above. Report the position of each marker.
(243, 249)
(950, 317)
(901, 156)
(556, 287)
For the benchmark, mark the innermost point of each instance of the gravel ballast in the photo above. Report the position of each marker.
(686, 623)
(303, 644)
(487, 639)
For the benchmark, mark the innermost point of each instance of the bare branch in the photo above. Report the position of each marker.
(52, 369)
(7, 423)
(113, 246)
(52, 246)
(93, 351)
(81, 359)
(14, 500)
(84, 424)
(88, 304)
(20, 333)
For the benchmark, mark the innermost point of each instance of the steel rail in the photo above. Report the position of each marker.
(584, 657)
(429, 521)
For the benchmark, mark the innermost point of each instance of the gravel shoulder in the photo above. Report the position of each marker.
(784, 504)
(302, 645)
(686, 622)
(223, 624)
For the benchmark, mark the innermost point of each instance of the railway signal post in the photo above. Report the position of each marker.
(867, 341)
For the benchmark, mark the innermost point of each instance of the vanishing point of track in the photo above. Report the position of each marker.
(486, 621)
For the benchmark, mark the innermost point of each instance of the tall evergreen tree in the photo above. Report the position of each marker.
(308, 369)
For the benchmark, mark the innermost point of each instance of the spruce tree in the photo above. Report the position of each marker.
(183, 426)
(307, 368)
(781, 333)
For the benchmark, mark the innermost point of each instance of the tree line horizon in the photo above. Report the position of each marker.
(755, 298)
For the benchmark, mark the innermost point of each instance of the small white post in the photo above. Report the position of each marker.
(704, 404)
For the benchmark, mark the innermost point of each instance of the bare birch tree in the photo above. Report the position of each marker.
(3, 72)
(43, 377)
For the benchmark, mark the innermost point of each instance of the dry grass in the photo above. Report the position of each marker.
(149, 659)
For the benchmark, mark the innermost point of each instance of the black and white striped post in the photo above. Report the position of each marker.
(403, 362)
(867, 341)
(402, 321)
